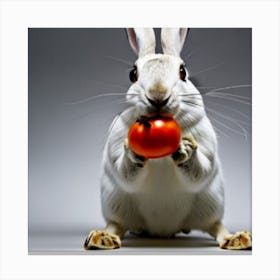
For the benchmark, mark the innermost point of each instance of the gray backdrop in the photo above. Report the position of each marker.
(65, 141)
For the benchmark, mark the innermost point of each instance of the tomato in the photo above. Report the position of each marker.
(154, 137)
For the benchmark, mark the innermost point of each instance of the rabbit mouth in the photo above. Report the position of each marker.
(158, 104)
(160, 110)
(163, 108)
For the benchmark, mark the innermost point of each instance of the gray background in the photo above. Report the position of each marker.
(66, 140)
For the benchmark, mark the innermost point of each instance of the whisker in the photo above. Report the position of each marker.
(223, 95)
(230, 87)
(204, 87)
(233, 110)
(92, 111)
(231, 120)
(188, 94)
(225, 126)
(215, 95)
(191, 103)
(106, 83)
(226, 117)
(119, 60)
(190, 55)
(83, 115)
(127, 101)
(186, 58)
(228, 94)
(217, 128)
(96, 96)
(133, 90)
(207, 69)
(137, 85)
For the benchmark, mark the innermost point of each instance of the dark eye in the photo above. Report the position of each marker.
(133, 74)
(182, 73)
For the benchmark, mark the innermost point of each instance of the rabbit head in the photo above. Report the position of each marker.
(160, 83)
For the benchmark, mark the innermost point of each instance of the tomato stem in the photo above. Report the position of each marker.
(145, 121)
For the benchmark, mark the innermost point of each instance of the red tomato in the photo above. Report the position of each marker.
(154, 137)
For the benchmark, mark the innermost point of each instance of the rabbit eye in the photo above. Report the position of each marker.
(182, 73)
(133, 74)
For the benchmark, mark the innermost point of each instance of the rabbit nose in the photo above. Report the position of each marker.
(158, 95)
(158, 90)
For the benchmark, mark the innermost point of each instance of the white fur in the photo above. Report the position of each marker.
(172, 40)
(142, 40)
(162, 197)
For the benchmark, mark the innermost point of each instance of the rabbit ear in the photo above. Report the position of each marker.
(172, 40)
(142, 40)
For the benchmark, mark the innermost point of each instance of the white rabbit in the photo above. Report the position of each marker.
(176, 193)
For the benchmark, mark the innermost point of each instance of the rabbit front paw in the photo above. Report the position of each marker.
(137, 160)
(186, 148)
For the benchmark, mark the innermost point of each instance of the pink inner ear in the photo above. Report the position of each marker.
(132, 39)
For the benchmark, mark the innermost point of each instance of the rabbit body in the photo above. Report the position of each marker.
(162, 197)
(175, 193)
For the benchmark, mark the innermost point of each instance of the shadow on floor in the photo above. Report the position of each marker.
(55, 241)
(179, 241)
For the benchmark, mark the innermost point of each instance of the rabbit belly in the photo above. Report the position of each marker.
(167, 207)
(165, 215)
(161, 205)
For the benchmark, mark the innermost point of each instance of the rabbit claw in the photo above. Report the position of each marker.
(186, 148)
(101, 239)
(237, 241)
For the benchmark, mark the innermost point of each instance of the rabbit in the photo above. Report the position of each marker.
(177, 193)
